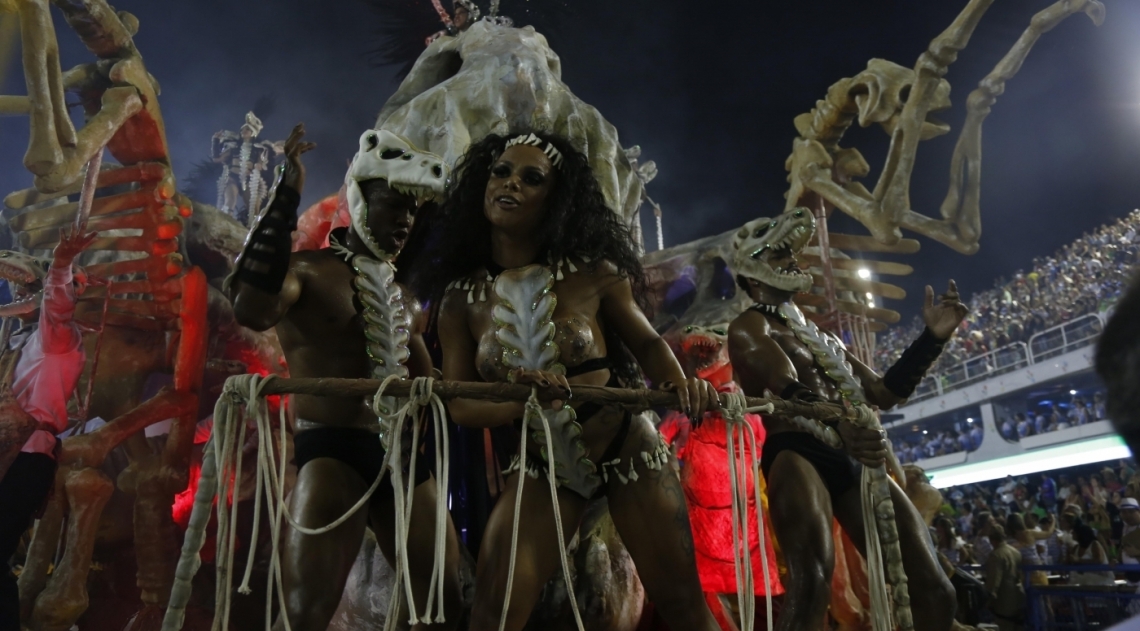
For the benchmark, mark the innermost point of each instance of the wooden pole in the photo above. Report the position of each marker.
(633, 399)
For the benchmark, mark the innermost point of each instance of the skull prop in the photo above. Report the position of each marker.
(706, 348)
(766, 250)
(384, 155)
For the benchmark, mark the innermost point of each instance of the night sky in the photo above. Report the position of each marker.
(709, 91)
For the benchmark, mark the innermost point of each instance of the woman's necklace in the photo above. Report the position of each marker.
(493, 271)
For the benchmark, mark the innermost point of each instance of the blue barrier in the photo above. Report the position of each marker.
(1067, 607)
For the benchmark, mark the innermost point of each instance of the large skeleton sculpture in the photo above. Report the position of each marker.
(900, 99)
(155, 314)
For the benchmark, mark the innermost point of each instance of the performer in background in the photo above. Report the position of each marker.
(540, 284)
(51, 359)
(773, 348)
(326, 330)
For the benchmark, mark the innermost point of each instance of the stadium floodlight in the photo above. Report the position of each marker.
(864, 273)
(1090, 451)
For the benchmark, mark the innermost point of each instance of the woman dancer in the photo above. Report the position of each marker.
(527, 222)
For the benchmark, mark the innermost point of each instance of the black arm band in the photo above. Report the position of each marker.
(265, 261)
(909, 370)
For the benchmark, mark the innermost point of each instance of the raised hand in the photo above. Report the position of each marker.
(70, 245)
(944, 316)
(294, 169)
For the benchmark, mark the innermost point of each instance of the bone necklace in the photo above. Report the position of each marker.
(469, 285)
(878, 509)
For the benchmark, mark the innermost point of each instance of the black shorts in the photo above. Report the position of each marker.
(839, 471)
(358, 448)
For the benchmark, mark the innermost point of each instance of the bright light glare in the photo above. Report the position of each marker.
(1072, 391)
(1090, 451)
(870, 296)
(924, 431)
(969, 420)
(864, 273)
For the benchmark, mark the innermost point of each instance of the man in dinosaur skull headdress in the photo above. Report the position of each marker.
(813, 469)
(338, 313)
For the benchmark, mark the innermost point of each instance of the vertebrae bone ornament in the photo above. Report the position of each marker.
(878, 508)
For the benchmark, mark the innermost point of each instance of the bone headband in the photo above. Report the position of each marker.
(548, 148)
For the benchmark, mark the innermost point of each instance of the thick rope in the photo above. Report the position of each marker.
(221, 478)
(738, 466)
(420, 398)
(550, 476)
(876, 574)
(530, 404)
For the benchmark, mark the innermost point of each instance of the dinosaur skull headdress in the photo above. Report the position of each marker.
(766, 250)
(384, 155)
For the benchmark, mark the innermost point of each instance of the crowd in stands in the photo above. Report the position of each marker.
(1080, 411)
(938, 443)
(1045, 516)
(1083, 277)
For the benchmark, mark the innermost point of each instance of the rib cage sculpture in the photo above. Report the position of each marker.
(156, 307)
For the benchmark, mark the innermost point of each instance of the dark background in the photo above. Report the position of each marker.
(708, 89)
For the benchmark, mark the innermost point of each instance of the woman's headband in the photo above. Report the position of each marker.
(547, 147)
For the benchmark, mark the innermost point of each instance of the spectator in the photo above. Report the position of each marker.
(1004, 589)
(1088, 551)
(1025, 541)
(1008, 430)
(950, 545)
(1099, 413)
(976, 436)
(1023, 427)
(983, 545)
(1047, 492)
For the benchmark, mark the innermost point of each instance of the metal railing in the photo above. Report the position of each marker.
(1076, 333)
(1065, 607)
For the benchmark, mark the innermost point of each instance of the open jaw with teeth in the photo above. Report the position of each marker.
(774, 262)
(25, 278)
(705, 349)
(422, 194)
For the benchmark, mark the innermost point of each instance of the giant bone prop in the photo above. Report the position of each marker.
(152, 293)
(899, 100)
(496, 79)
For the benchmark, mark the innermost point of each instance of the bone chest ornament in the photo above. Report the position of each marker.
(525, 329)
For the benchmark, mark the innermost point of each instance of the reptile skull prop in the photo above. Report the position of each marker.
(384, 155)
(705, 348)
(25, 275)
(766, 250)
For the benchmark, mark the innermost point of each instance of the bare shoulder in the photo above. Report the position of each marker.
(747, 328)
(603, 274)
(311, 263)
(453, 306)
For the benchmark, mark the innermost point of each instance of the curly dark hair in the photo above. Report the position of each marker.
(577, 222)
